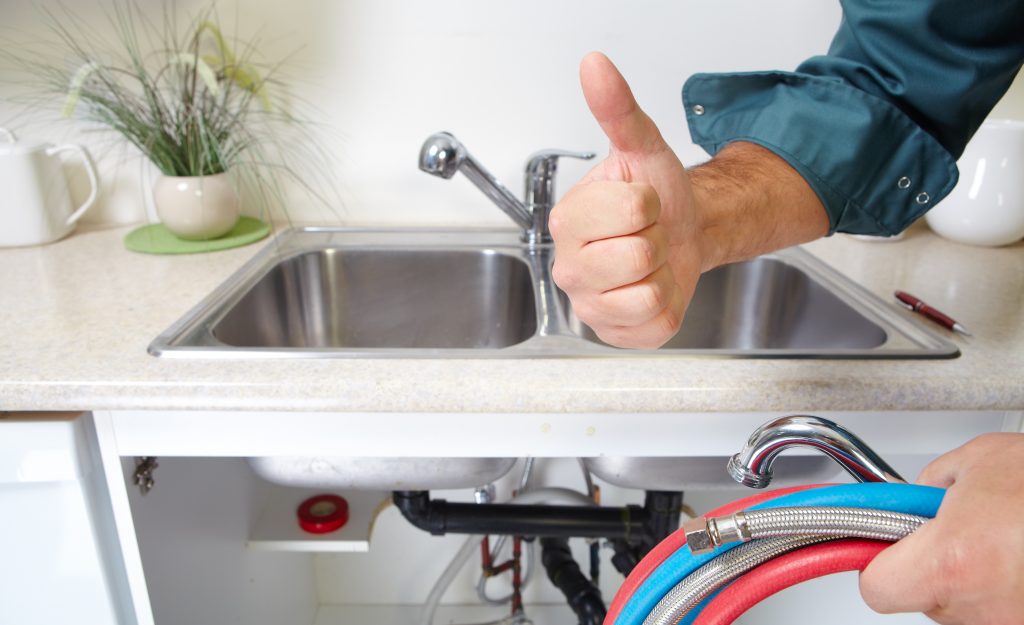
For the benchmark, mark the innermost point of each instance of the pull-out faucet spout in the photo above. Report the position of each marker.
(443, 155)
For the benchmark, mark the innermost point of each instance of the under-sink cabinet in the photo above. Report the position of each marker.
(214, 542)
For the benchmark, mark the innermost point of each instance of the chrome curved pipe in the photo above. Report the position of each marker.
(753, 465)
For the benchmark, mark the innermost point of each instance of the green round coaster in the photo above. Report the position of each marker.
(156, 239)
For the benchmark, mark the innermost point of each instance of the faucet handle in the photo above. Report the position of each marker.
(541, 168)
(540, 188)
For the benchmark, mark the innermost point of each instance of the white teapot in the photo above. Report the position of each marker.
(35, 207)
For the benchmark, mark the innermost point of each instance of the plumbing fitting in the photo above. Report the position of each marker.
(443, 155)
(753, 465)
(582, 594)
(664, 508)
(704, 535)
(439, 517)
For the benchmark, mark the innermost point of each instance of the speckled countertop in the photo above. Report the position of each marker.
(77, 316)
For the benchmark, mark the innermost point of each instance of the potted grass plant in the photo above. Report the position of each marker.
(199, 106)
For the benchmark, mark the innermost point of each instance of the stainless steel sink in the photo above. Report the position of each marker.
(350, 298)
(342, 293)
(766, 304)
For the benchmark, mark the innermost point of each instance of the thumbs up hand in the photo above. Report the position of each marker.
(626, 239)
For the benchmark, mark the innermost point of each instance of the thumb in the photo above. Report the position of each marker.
(615, 109)
(901, 578)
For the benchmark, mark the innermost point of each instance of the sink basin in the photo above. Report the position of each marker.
(345, 293)
(765, 304)
(391, 298)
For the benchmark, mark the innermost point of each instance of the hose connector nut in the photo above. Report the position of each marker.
(704, 535)
(698, 536)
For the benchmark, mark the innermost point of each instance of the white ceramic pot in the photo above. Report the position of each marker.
(196, 208)
(987, 205)
(36, 206)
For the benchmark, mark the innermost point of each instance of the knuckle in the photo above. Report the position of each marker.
(556, 223)
(638, 206)
(585, 312)
(671, 320)
(644, 253)
(966, 568)
(566, 275)
(653, 297)
(991, 441)
(617, 337)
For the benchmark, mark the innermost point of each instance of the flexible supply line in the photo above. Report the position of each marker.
(531, 547)
(784, 572)
(429, 608)
(909, 499)
(705, 580)
(703, 535)
(778, 531)
(563, 496)
(677, 540)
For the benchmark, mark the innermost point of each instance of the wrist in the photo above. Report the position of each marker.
(749, 201)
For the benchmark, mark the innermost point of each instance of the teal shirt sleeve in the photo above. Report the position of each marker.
(876, 125)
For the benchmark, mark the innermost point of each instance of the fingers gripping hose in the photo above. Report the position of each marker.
(673, 568)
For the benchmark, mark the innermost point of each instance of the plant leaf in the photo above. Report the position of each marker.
(249, 79)
(227, 56)
(75, 86)
(205, 72)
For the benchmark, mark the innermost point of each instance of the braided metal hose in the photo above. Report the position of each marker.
(831, 521)
(696, 586)
(703, 535)
(773, 532)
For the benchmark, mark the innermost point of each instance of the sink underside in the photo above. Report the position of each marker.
(658, 473)
(380, 473)
(316, 293)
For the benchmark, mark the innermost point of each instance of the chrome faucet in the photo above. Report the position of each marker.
(443, 155)
(753, 465)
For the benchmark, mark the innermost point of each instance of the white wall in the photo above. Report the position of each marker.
(502, 76)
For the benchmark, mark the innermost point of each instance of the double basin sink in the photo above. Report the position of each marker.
(333, 293)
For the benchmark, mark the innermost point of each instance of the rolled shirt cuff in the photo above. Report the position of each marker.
(872, 167)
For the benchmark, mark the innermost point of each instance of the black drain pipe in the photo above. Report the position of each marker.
(583, 596)
(663, 508)
(437, 516)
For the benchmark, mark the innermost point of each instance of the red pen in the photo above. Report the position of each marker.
(938, 317)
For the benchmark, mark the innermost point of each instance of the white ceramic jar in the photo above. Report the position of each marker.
(196, 208)
(987, 205)
(36, 206)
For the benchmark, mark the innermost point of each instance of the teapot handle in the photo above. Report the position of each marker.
(90, 169)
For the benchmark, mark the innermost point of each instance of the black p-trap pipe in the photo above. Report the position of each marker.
(438, 516)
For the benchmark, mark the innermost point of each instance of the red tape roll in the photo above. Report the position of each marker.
(322, 514)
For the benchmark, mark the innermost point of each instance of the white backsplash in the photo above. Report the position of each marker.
(502, 76)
